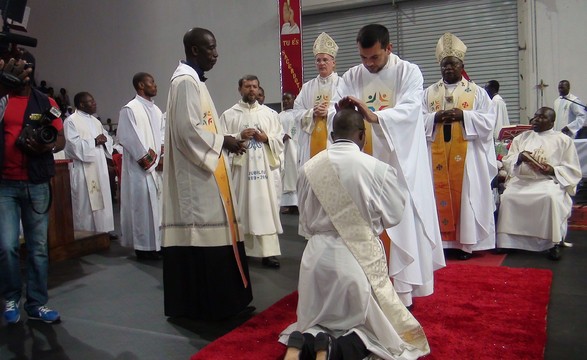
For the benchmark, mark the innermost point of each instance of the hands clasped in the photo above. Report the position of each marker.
(448, 116)
(100, 140)
(232, 145)
(253, 133)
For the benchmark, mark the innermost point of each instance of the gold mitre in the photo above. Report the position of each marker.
(450, 45)
(324, 44)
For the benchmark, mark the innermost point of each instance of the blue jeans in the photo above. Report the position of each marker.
(18, 201)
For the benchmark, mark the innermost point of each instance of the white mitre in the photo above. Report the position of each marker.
(324, 44)
(450, 45)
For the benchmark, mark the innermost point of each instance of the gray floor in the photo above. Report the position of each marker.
(111, 306)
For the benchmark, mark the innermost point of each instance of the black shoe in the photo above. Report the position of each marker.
(324, 342)
(270, 262)
(463, 255)
(296, 340)
(148, 255)
(246, 312)
(554, 253)
(501, 251)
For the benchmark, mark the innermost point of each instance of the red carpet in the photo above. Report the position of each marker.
(477, 312)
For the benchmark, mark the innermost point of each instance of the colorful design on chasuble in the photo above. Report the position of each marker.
(448, 158)
(376, 101)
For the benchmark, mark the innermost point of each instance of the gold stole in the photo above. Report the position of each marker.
(221, 177)
(357, 235)
(319, 137)
(448, 158)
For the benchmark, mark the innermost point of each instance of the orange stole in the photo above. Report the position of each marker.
(319, 137)
(221, 177)
(448, 161)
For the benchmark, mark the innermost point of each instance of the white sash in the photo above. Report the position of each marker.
(365, 247)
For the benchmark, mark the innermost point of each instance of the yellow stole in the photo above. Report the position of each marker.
(448, 158)
(221, 177)
(319, 136)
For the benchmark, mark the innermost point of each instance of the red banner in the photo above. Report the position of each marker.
(291, 46)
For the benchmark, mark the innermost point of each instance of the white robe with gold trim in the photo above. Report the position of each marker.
(477, 222)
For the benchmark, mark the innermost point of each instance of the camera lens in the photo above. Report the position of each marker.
(46, 135)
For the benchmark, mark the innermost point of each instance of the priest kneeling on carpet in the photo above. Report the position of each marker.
(347, 305)
(536, 204)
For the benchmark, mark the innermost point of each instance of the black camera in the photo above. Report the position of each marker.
(43, 134)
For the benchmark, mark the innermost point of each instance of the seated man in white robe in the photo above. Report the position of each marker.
(347, 307)
(536, 204)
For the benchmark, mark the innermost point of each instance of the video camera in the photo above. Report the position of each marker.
(43, 134)
(13, 10)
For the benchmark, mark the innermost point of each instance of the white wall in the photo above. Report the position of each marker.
(97, 46)
(555, 49)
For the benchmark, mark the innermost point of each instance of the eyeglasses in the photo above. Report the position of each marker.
(326, 61)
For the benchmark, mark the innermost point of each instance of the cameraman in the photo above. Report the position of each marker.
(26, 167)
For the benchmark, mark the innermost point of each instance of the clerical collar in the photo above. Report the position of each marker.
(199, 71)
(343, 141)
(326, 79)
(247, 105)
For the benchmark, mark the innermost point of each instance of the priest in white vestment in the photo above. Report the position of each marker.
(289, 174)
(499, 107)
(88, 144)
(570, 116)
(544, 171)
(344, 288)
(205, 270)
(388, 92)
(253, 172)
(459, 122)
(140, 132)
(314, 105)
